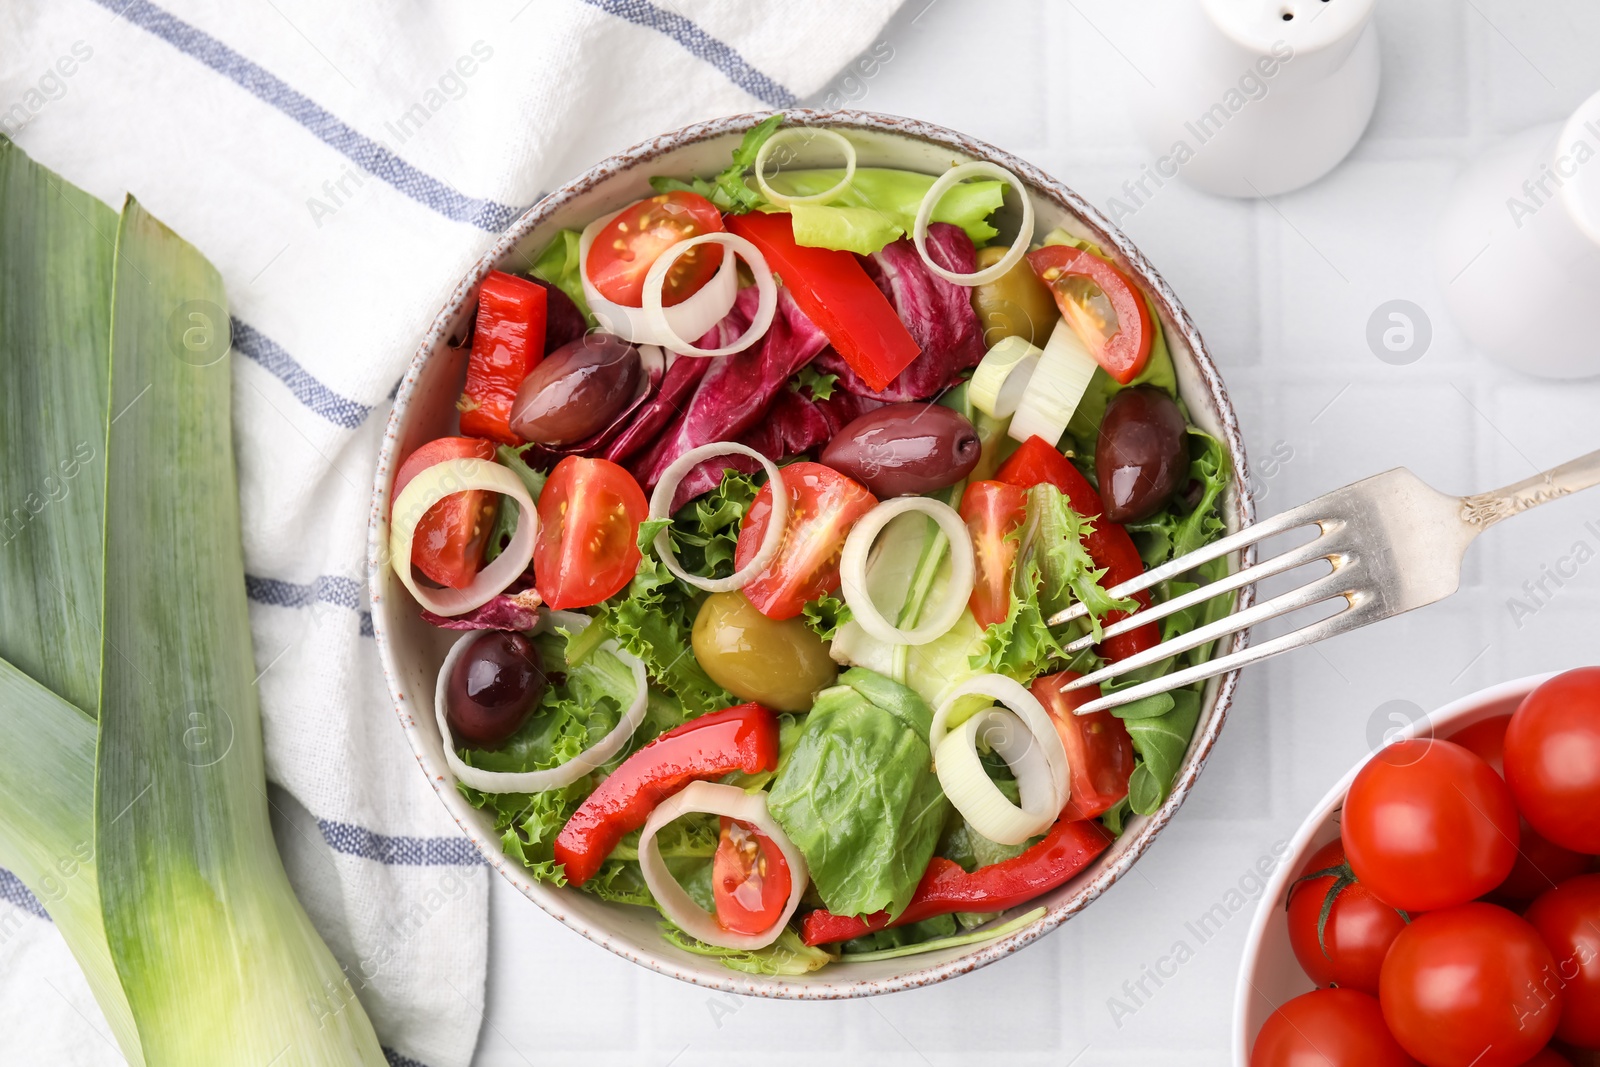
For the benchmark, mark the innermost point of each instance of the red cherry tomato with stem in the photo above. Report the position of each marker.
(1428, 824)
(1339, 931)
(1470, 986)
(589, 516)
(627, 247)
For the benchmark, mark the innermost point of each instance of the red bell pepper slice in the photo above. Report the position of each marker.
(836, 294)
(1109, 545)
(1073, 275)
(507, 343)
(742, 738)
(1068, 848)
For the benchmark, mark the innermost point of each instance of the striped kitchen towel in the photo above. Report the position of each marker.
(343, 165)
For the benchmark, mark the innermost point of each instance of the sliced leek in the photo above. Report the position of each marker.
(1001, 379)
(977, 798)
(1056, 387)
(853, 571)
(432, 485)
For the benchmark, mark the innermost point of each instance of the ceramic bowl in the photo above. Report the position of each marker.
(424, 408)
(1270, 974)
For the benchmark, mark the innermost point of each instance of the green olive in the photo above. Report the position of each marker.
(1016, 304)
(779, 663)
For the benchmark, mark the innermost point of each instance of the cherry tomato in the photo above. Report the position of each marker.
(589, 516)
(1428, 824)
(626, 247)
(993, 511)
(1099, 749)
(823, 505)
(1470, 986)
(1101, 304)
(450, 539)
(1568, 919)
(1548, 1058)
(1358, 931)
(1553, 759)
(1328, 1028)
(1540, 864)
(750, 880)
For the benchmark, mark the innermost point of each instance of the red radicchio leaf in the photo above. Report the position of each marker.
(513, 611)
(938, 314)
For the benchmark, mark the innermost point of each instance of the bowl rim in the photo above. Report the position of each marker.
(1268, 907)
(1041, 184)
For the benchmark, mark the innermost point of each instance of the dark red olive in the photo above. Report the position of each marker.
(904, 449)
(1142, 458)
(493, 687)
(577, 390)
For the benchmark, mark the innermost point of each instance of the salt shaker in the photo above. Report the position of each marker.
(1255, 97)
(1518, 248)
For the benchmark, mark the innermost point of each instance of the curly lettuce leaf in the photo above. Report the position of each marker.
(813, 383)
(826, 614)
(653, 619)
(1175, 532)
(728, 190)
(858, 795)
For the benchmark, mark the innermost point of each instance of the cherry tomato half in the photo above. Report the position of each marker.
(1428, 824)
(1470, 986)
(1101, 304)
(993, 511)
(626, 247)
(1359, 929)
(823, 505)
(1541, 864)
(449, 542)
(1553, 759)
(1568, 920)
(1328, 1028)
(750, 880)
(588, 545)
(1099, 750)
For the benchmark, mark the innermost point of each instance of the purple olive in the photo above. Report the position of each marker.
(904, 449)
(493, 686)
(577, 390)
(1142, 458)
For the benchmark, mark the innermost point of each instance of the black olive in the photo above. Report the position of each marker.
(493, 687)
(577, 390)
(1142, 458)
(905, 449)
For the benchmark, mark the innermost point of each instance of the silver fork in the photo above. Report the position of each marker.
(1395, 543)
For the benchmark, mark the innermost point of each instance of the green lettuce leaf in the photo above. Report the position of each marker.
(1160, 740)
(786, 956)
(653, 619)
(810, 382)
(858, 795)
(826, 614)
(880, 206)
(1174, 532)
(560, 265)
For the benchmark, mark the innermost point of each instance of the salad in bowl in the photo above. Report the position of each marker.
(724, 591)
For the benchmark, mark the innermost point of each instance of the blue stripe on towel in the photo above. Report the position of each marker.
(399, 851)
(257, 346)
(12, 891)
(700, 44)
(329, 589)
(267, 87)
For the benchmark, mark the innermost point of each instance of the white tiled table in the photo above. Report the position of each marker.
(1282, 293)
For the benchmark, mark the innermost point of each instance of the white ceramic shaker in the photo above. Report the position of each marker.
(1518, 248)
(1256, 97)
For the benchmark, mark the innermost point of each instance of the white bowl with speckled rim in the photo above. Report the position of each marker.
(1269, 973)
(411, 650)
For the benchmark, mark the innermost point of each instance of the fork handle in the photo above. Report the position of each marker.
(1486, 509)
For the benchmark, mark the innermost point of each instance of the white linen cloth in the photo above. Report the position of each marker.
(343, 165)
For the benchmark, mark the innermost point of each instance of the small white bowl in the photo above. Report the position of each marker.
(424, 408)
(1270, 974)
